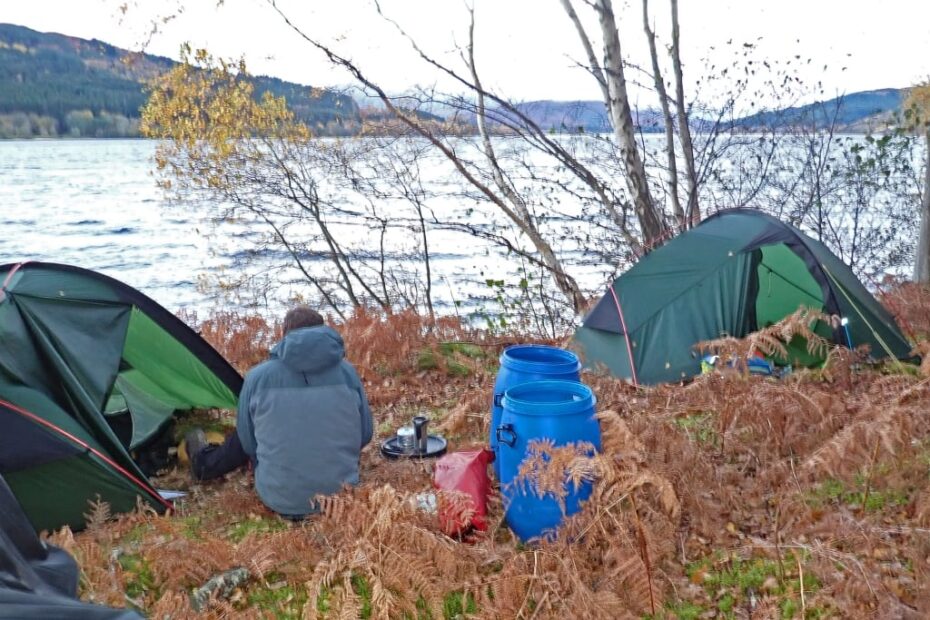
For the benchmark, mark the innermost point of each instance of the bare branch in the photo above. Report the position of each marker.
(594, 67)
(667, 117)
(684, 129)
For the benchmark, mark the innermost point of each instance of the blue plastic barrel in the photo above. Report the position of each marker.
(561, 411)
(524, 363)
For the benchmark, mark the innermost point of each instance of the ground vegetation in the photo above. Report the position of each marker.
(730, 496)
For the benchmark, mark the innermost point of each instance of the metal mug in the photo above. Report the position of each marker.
(421, 437)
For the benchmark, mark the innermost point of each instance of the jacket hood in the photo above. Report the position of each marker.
(310, 349)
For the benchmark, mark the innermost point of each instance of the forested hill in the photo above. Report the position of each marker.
(55, 85)
(865, 111)
(859, 112)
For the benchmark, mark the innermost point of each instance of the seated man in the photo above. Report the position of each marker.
(303, 420)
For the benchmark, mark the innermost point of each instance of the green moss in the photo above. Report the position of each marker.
(361, 588)
(725, 604)
(832, 491)
(789, 608)
(897, 367)
(456, 605)
(322, 601)
(285, 602)
(755, 574)
(699, 427)
(262, 525)
(449, 349)
(140, 579)
(730, 581)
(136, 534)
(191, 527)
(684, 610)
(455, 369)
(426, 360)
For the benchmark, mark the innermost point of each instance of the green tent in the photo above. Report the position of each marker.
(737, 271)
(79, 352)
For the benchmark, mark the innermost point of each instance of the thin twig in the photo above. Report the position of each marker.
(868, 480)
(529, 586)
(539, 606)
(644, 550)
(781, 566)
(801, 582)
(601, 512)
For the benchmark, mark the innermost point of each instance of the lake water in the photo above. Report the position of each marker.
(95, 204)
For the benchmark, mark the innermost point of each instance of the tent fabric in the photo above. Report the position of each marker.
(38, 580)
(56, 491)
(148, 412)
(736, 272)
(23, 443)
(77, 347)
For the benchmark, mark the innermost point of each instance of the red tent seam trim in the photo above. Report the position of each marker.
(89, 448)
(9, 278)
(626, 335)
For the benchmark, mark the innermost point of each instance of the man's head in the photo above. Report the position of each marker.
(301, 316)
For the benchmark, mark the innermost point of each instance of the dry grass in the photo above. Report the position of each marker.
(731, 496)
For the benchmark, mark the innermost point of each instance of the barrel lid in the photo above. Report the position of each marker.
(548, 398)
(540, 359)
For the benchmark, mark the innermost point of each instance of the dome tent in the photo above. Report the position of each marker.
(79, 351)
(737, 271)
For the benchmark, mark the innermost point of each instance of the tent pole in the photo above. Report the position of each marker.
(9, 278)
(626, 335)
(89, 449)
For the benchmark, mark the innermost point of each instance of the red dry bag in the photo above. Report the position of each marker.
(463, 476)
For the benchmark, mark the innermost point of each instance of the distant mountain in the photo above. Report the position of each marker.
(561, 116)
(856, 112)
(56, 85)
(568, 116)
(861, 112)
(584, 116)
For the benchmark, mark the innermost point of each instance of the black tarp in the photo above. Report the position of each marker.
(38, 580)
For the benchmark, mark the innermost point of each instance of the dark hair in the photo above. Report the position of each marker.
(301, 316)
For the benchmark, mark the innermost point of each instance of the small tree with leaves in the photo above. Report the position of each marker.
(246, 160)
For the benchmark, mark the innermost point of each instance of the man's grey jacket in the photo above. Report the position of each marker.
(303, 419)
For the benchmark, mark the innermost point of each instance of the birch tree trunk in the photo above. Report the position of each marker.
(525, 221)
(621, 116)
(922, 264)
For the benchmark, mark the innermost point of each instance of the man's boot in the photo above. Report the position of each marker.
(194, 441)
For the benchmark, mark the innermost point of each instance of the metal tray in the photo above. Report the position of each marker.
(435, 446)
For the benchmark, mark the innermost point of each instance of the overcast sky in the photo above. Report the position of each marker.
(526, 48)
